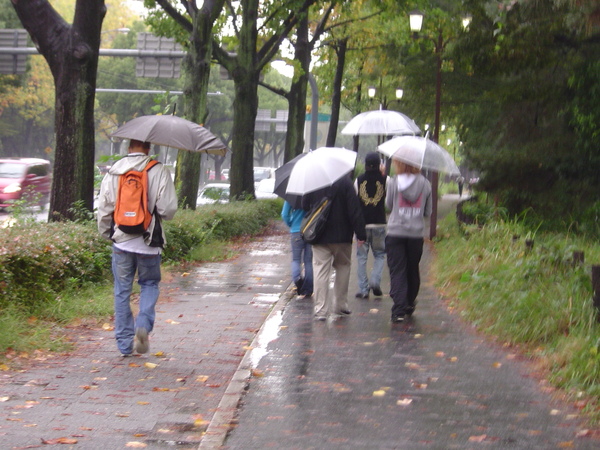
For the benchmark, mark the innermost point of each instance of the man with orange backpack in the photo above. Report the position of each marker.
(136, 195)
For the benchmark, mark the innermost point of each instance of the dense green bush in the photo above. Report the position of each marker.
(37, 260)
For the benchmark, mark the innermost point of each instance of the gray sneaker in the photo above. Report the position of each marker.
(140, 342)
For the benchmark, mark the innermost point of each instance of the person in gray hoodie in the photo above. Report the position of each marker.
(409, 200)
(133, 253)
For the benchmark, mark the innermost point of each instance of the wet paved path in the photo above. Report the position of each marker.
(165, 399)
(357, 383)
(364, 383)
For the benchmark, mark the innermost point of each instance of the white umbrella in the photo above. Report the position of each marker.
(381, 122)
(419, 152)
(320, 168)
(171, 131)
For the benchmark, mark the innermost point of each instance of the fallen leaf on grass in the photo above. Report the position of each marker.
(4, 367)
(62, 440)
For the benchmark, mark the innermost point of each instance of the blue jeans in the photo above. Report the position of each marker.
(124, 266)
(302, 253)
(376, 242)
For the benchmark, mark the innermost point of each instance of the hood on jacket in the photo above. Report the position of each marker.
(410, 186)
(129, 162)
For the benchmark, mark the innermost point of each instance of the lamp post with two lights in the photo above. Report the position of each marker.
(416, 22)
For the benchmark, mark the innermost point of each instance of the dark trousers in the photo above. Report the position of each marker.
(403, 257)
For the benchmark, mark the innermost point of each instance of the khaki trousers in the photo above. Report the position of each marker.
(326, 259)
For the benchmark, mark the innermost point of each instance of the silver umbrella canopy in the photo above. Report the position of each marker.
(381, 122)
(171, 131)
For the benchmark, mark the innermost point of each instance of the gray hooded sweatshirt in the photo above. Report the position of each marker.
(409, 199)
(161, 197)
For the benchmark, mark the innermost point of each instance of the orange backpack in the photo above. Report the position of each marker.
(131, 214)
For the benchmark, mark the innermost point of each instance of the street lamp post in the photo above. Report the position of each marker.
(416, 22)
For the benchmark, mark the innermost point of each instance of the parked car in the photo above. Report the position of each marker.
(260, 173)
(27, 179)
(265, 187)
(213, 193)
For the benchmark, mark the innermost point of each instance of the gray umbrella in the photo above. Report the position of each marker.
(171, 131)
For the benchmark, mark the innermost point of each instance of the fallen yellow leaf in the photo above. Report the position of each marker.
(202, 378)
(150, 365)
(379, 393)
(143, 403)
(159, 354)
(497, 365)
(185, 274)
(108, 327)
(4, 367)
(478, 438)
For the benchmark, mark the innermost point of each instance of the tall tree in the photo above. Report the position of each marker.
(194, 28)
(260, 28)
(72, 55)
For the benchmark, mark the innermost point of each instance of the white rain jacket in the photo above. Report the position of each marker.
(161, 195)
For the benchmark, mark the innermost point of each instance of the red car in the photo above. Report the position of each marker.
(26, 179)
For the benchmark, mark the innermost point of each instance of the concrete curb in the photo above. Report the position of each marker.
(223, 418)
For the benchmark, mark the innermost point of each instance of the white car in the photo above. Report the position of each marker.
(213, 193)
(264, 189)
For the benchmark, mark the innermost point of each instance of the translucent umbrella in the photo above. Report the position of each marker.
(381, 122)
(171, 131)
(320, 168)
(419, 152)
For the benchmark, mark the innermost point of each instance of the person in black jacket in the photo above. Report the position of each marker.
(370, 188)
(333, 249)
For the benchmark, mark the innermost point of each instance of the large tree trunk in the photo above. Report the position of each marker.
(245, 106)
(336, 97)
(294, 140)
(197, 74)
(72, 55)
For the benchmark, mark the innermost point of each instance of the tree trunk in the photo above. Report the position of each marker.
(294, 141)
(72, 55)
(197, 74)
(340, 51)
(245, 106)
